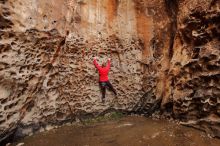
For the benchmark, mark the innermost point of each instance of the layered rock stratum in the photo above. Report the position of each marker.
(165, 54)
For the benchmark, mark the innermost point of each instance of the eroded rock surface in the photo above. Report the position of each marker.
(164, 54)
(195, 65)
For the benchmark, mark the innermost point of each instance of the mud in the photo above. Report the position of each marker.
(127, 131)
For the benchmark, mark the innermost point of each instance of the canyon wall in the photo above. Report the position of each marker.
(165, 53)
(195, 65)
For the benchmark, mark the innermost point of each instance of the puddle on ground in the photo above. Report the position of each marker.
(127, 131)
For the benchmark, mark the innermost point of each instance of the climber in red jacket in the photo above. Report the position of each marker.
(103, 77)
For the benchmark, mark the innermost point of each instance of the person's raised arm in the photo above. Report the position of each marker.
(95, 63)
(109, 63)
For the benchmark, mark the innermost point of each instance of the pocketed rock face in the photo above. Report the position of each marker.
(196, 65)
(47, 49)
(160, 50)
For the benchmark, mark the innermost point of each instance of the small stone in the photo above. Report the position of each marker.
(20, 144)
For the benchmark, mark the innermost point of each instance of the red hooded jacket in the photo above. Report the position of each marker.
(103, 71)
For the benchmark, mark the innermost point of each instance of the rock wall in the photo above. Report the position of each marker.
(164, 54)
(186, 78)
(195, 65)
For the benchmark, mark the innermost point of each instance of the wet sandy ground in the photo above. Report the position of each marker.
(128, 131)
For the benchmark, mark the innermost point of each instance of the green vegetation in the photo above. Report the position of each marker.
(107, 117)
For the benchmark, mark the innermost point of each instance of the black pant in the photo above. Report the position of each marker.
(103, 86)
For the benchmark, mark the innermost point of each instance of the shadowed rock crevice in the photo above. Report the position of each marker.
(172, 7)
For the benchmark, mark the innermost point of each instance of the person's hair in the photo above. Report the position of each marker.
(103, 64)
